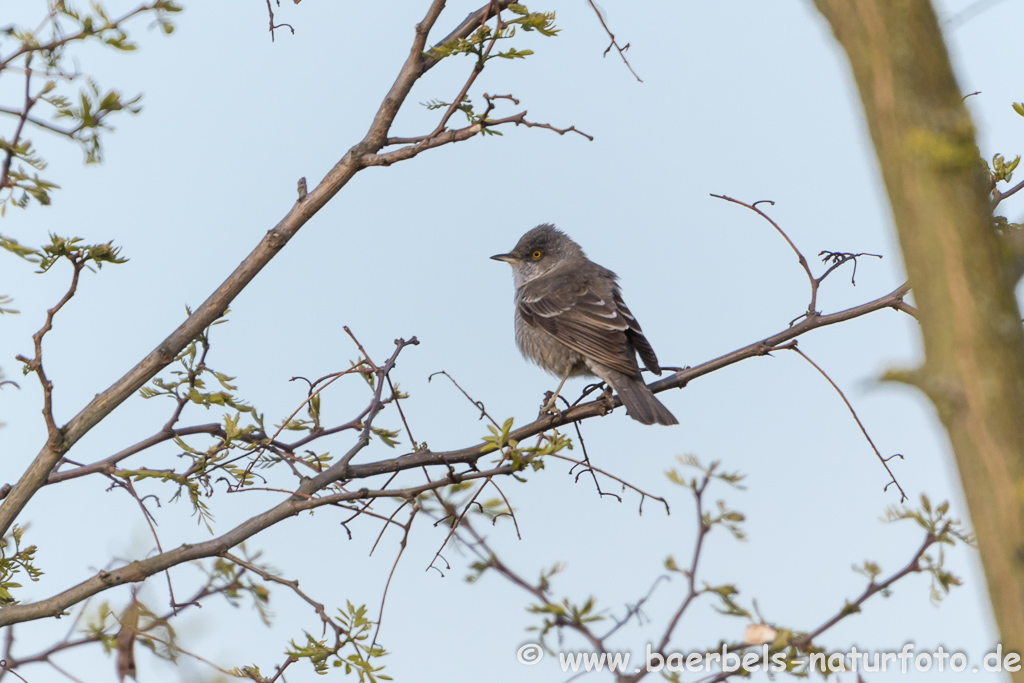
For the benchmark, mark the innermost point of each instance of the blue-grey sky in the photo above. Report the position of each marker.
(750, 99)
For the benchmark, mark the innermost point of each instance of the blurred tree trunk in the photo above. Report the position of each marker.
(970, 321)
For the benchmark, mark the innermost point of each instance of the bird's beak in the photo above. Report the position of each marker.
(507, 258)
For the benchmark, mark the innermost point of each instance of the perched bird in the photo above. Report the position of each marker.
(571, 321)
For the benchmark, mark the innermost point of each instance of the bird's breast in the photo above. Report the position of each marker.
(547, 352)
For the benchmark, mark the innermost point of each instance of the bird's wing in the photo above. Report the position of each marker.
(584, 318)
(636, 335)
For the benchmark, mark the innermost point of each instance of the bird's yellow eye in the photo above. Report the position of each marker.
(537, 254)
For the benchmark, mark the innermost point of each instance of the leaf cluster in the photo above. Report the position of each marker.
(944, 531)
(72, 249)
(194, 382)
(151, 630)
(1011, 234)
(564, 613)
(708, 473)
(14, 561)
(548, 443)
(480, 45)
(355, 629)
(42, 57)
(477, 44)
(237, 584)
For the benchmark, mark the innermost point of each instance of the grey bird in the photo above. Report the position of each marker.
(571, 321)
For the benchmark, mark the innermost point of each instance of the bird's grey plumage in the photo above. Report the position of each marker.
(571, 320)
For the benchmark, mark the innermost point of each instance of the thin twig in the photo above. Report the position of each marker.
(478, 404)
(799, 255)
(273, 26)
(54, 433)
(625, 484)
(407, 527)
(884, 461)
(621, 49)
(293, 585)
(520, 120)
(691, 575)
(587, 468)
(998, 196)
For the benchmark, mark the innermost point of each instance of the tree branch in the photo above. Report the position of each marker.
(600, 407)
(304, 498)
(357, 158)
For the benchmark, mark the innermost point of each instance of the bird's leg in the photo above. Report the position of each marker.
(549, 407)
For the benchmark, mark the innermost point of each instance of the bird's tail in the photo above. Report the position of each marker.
(640, 402)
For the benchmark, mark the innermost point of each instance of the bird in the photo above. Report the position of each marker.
(570, 320)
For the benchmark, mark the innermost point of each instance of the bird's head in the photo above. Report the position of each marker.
(538, 252)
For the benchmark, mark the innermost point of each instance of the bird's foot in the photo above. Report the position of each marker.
(550, 406)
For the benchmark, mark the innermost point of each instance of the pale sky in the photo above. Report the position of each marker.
(749, 99)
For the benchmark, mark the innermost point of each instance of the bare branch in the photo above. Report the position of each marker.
(998, 196)
(520, 120)
(39, 122)
(273, 26)
(621, 49)
(594, 408)
(478, 404)
(293, 585)
(35, 364)
(799, 254)
(884, 461)
(625, 484)
(406, 528)
(691, 575)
